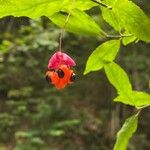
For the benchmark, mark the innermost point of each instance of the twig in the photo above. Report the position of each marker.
(62, 32)
(102, 4)
(117, 36)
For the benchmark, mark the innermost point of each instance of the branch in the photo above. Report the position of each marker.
(117, 36)
(102, 4)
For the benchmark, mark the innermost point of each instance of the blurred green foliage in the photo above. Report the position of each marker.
(34, 115)
(30, 109)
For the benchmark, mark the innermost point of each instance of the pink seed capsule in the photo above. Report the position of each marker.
(60, 58)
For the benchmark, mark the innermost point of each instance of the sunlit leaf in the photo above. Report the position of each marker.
(136, 98)
(111, 3)
(133, 19)
(128, 40)
(102, 55)
(38, 8)
(119, 79)
(111, 17)
(126, 132)
(79, 4)
(141, 98)
(125, 100)
(79, 22)
(30, 8)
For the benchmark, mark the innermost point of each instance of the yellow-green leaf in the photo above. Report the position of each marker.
(102, 55)
(37, 8)
(126, 132)
(79, 22)
(30, 8)
(133, 19)
(111, 17)
(136, 98)
(128, 40)
(119, 79)
(79, 4)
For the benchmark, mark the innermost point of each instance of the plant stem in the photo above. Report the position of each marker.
(62, 32)
(63, 29)
(117, 36)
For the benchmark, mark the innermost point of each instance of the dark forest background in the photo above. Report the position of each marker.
(36, 116)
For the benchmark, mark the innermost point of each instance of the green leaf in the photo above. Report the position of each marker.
(102, 55)
(126, 132)
(79, 4)
(136, 98)
(133, 19)
(111, 18)
(141, 98)
(37, 8)
(128, 40)
(30, 8)
(119, 79)
(125, 100)
(109, 2)
(79, 22)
